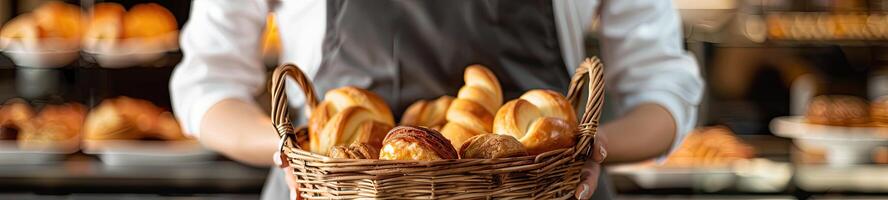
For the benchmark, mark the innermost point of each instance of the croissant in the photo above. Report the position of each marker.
(416, 143)
(427, 113)
(542, 120)
(348, 115)
(472, 112)
(355, 151)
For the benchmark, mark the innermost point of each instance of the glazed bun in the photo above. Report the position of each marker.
(427, 113)
(542, 120)
(148, 20)
(348, 115)
(416, 143)
(22, 27)
(838, 110)
(472, 112)
(488, 146)
(106, 21)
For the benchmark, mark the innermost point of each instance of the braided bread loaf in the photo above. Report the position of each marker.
(471, 113)
(348, 115)
(542, 120)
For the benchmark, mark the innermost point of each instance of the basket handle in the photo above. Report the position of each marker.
(594, 70)
(279, 107)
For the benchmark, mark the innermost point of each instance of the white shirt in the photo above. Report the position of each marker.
(641, 45)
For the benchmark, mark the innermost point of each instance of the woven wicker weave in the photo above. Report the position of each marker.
(550, 175)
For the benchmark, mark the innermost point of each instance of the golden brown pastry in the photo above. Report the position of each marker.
(15, 117)
(52, 19)
(58, 19)
(124, 118)
(471, 113)
(838, 110)
(148, 20)
(711, 146)
(54, 123)
(427, 113)
(542, 120)
(355, 151)
(879, 111)
(348, 115)
(106, 21)
(416, 143)
(488, 146)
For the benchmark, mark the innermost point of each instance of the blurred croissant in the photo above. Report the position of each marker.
(348, 115)
(124, 118)
(427, 113)
(542, 120)
(471, 113)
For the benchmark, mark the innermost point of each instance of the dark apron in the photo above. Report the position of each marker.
(410, 50)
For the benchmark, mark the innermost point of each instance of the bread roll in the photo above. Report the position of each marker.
(106, 21)
(472, 112)
(427, 113)
(542, 120)
(416, 143)
(58, 19)
(838, 110)
(488, 146)
(148, 20)
(348, 115)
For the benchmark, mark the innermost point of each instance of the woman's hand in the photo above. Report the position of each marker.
(592, 168)
(291, 183)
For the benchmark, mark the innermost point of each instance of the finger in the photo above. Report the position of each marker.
(588, 180)
(291, 183)
(599, 150)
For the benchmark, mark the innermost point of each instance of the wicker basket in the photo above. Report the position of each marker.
(551, 175)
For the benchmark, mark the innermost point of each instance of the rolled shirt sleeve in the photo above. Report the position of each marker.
(221, 58)
(646, 62)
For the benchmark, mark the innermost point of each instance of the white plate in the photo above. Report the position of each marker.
(136, 152)
(121, 53)
(650, 176)
(844, 145)
(753, 175)
(42, 53)
(856, 178)
(11, 154)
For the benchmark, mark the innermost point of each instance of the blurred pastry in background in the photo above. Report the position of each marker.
(838, 110)
(879, 111)
(271, 39)
(880, 155)
(15, 115)
(428, 113)
(106, 21)
(148, 20)
(125, 118)
(53, 124)
(709, 146)
(53, 19)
